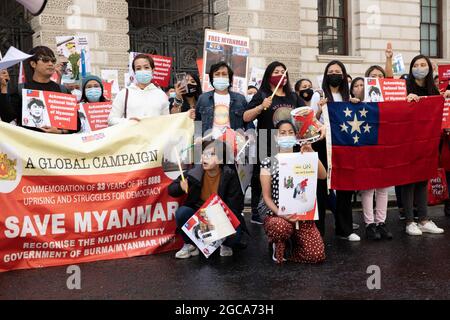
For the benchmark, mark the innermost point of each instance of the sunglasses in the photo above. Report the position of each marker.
(47, 59)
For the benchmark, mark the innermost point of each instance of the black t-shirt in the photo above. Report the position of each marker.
(280, 110)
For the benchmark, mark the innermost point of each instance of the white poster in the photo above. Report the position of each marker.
(298, 185)
(256, 77)
(75, 56)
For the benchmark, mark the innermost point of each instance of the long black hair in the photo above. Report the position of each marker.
(411, 83)
(216, 67)
(343, 88)
(265, 84)
(196, 78)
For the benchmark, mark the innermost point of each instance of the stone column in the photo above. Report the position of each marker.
(104, 22)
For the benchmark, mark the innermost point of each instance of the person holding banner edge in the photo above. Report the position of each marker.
(212, 176)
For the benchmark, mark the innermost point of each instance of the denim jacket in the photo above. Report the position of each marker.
(204, 111)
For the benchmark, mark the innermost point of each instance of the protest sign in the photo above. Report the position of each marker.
(112, 77)
(298, 185)
(87, 197)
(107, 90)
(379, 90)
(211, 225)
(94, 116)
(446, 115)
(49, 109)
(398, 64)
(232, 49)
(256, 77)
(444, 77)
(12, 57)
(162, 71)
(75, 57)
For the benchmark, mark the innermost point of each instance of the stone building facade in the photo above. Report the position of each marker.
(279, 30)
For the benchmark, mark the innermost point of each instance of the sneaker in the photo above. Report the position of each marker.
(352, 238)
(384, 231)
(355, 226)
(225, 251)
(273, 254)
(187, 251)
(413, 230)
(372, 232)
(256, 219)
(430, 227)
(402, 215)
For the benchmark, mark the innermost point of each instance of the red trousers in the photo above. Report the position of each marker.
(308, 246)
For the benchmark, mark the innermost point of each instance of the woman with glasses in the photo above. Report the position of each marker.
(41, 66)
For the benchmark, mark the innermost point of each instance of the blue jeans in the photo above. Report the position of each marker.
(183, 214)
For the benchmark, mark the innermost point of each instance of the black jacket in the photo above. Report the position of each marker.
(229, 190)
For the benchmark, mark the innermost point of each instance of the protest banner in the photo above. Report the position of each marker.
(211, 225)
(94, 116)
(75, 57)
(69, 199)
(49, 109)
(162, 71)
(232, 49)
(379, 90)
(446, 114)
(112, 77)
(444, 77)
(298, 185)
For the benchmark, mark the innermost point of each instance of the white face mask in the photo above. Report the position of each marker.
(77, 93)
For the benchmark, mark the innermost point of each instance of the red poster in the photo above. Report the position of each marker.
(200, 68)
(444, 77)
(393, 89)
(161, 74)
(107, 90)
(49, 109)
(446, 120)
(94, 116)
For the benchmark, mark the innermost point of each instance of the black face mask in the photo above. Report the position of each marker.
(335, 80)
(191, 90)
(306, 94)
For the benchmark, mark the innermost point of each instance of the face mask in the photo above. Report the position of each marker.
(77, 93)
(249, 98)
(274, 80)
(420, 73)
(287, 142)
(335, 80)
(307, 94)
(94, 94)
(172, 95)
(191, 90)
(144, 76)
(221, 84)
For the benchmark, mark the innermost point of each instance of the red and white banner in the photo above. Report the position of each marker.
(69, 199)
(49, 109)
(379, 90)
(446, 119)
(444, 77)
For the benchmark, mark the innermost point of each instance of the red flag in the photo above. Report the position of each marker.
(378, 145)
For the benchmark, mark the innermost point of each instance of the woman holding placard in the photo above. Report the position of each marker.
(92, 90)
(308, 243)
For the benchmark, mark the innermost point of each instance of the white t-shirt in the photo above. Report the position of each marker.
(315, 102)
(221, 113)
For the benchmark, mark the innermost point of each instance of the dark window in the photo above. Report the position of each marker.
(333, 37)
(431, 28)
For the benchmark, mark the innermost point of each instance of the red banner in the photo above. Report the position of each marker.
(444, 77)
(393, 89)
(446, 119)
(107, 90)
(96, 115)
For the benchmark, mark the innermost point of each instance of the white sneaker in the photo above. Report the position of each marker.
(187, 251)
(413, 230)
(226, 251)
(352, 238)
(430, 227)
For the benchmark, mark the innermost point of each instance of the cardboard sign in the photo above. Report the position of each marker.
(49, 109)
(94, 116)
(444, 77)
(379, 90)
(298, 185)
(161, 73)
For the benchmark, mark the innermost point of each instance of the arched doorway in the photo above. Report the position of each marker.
(170, 28)
(14, 31)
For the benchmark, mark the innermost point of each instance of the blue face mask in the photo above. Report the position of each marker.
(287, 142)
(94, 94)
(420, 73)
(221, 84)
(144, 76)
